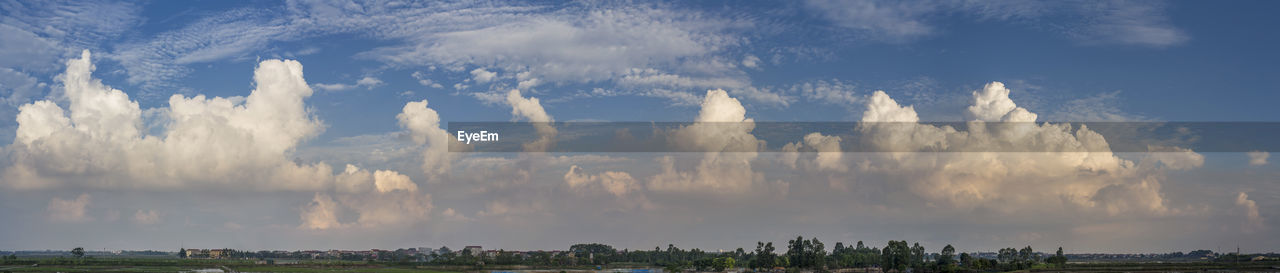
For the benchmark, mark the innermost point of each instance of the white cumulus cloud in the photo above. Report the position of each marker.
(378, 199)
(146, 217)
(482, 76)
(829, 156)
(531, 109)
(1253, 220)
(388, 181)
(722, 129)
(73, 210)
(1075, 168)
(423, 124)
(98, 140)
(322, 213)
(619, 184)
(1258, 158)
(238, 143)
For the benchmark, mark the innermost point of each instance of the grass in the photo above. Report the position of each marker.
(303, 269)
(90, 268)
(150, 269)
(151, 265)
(193, 266)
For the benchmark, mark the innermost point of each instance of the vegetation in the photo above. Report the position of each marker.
(1058, 259)
(801, 255)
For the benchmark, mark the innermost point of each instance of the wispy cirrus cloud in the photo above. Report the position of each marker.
(36, 36)
(831, 92)
(368, 82)
(638, 48)
(889, 21)
(1140, 23)
(157, 63)
(578, 43)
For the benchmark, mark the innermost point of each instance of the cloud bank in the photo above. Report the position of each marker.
(235, 143)
(1074, 175)
(98, 140)
(721, 126)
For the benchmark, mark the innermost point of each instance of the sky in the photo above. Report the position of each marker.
(322, 124)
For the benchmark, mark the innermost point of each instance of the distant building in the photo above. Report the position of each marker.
(474, 250)
(195, 253)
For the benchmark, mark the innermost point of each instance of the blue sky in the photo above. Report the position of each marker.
(1052, 58)
(813, 60)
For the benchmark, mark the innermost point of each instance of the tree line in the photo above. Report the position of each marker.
(800, 253)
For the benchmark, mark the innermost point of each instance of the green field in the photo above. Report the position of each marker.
(1167, 267)
(147, 265)
(260, 268)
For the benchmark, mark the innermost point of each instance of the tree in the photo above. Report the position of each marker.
(947, 257)
(966, 260)
(1025, 256)
(182, 253)
(806, 253)
(593, 248)
(597, 253)
(1062, 258)
(764, 256)
(896, 255)
(1058, 259)
(676, 267)
(1007, 255)
(78, 252)
(722, 263)
(795, 252)
(817, 254)
(917, 256)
